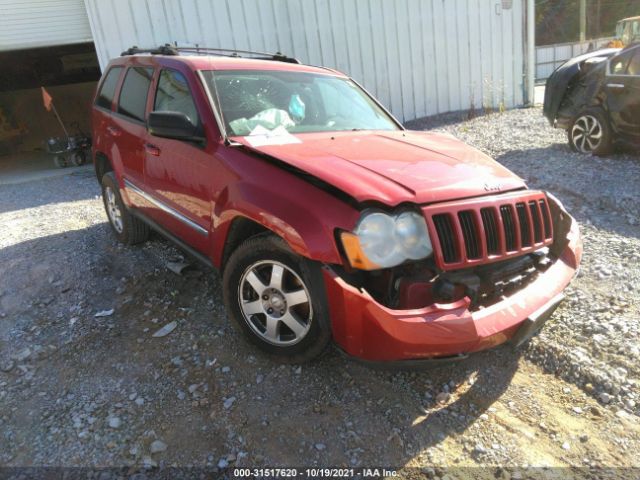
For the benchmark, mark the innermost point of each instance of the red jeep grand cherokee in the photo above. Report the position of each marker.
(326, 217)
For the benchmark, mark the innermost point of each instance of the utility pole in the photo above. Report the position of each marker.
(530, 57)
(583, 20)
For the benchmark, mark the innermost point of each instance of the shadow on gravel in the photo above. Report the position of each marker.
(37, 193)
(334, 411)
(456, 397)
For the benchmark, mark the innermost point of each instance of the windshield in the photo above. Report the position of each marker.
(254, 101)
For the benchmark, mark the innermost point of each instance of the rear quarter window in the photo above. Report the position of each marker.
(134, 91)
(108, 88)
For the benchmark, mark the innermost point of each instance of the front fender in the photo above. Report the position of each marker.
(561, 82)
(302, 214)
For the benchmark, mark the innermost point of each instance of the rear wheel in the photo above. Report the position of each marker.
(277, 299)
(78, 158)
(60, 161)
(127, 228)
(590, 133)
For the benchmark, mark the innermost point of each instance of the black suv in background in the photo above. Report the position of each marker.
(596, 98)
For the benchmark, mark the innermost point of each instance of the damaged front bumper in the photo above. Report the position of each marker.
(366, 329)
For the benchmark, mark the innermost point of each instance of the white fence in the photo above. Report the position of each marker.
(419, 57)
(550, 57)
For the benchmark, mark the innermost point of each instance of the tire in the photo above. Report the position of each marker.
(78, 158)
(268, 327)
(60, 161)
(590, 133)
(127, 228)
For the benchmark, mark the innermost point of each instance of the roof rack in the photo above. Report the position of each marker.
(161, 50)
(221, 52)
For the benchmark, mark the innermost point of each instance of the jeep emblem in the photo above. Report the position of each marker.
(495, 187)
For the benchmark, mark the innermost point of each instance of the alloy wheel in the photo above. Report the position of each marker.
(275, 303)
(113, 210)
(586, 133)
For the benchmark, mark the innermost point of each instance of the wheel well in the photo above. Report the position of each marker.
(102, 165)
(241, 229)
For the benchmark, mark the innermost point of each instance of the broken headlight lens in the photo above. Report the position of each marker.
(381, 240)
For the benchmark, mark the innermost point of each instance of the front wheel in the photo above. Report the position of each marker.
(277, 299)
(590, 133)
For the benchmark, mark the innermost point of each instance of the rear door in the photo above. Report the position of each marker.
(129, 125)
(102, 112)
(623, 93)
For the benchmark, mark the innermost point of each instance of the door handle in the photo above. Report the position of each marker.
(615, 85)
(152, 149)
(114, 132)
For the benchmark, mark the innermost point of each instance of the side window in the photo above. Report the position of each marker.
(108, 88)
(635, 31)
(634, 64)
(133, 94)
(173, 95)
(619, 63)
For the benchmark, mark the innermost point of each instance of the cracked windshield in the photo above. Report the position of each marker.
(256, 102)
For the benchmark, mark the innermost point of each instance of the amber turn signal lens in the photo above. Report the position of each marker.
(354, 252)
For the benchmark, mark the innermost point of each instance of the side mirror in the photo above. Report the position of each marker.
(173, 125)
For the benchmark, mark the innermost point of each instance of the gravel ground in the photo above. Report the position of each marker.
(78, 389)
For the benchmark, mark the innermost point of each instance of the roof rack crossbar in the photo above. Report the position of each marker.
(231, 52)
(161, 50)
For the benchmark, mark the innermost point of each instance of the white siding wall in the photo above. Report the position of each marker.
(42, 23)
(419, 57)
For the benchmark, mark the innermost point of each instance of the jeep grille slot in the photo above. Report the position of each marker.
(523, 220)
(484, 230)
(509, 227)
(546, 218)
(490, 230)
(469, 232)
(446, 236)
(537, 222)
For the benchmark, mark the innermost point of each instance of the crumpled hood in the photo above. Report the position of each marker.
(394, 167)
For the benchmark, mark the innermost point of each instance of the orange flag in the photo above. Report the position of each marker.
(46, 99)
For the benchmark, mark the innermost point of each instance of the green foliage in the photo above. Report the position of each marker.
(558, 21)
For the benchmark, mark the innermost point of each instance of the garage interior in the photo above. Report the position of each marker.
(69, 73)
(43, 43)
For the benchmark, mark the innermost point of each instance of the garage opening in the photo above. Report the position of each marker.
(69, 74)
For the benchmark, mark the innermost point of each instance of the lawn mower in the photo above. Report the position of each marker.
(70, 149)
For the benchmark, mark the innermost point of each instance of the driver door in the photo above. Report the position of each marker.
(180, 174)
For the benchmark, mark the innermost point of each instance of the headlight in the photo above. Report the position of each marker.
(381, 240)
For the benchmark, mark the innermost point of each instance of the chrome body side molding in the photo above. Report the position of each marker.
(165, 208)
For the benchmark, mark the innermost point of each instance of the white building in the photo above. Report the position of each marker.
(419, 57)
